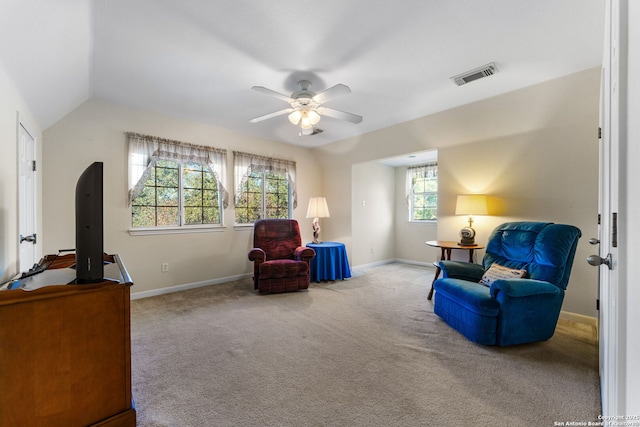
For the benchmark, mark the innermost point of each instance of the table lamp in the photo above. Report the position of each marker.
(317, 209)
(470, 204)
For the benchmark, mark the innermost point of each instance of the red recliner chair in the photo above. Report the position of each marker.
(280, 262)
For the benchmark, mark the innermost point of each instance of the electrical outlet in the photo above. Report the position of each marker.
(165, 267)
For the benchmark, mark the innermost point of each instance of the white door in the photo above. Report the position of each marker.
(607, 242)
(28, 238)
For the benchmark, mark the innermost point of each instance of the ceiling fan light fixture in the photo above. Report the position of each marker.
(295, 117)
(314, 117)
(309, 119)
(305, 122)
(306, 107)
(306, 132)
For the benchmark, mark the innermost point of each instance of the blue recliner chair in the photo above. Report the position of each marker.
(510, 311)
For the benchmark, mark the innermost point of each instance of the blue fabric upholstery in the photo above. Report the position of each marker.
(512, 311)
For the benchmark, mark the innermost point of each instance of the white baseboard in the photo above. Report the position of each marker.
(186, 286)
(391, 261)
(371, 265)
(411, 262)
(579, 324)
(579, 318)
(178, 288)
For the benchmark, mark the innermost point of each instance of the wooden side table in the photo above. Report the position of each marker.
(446, 248)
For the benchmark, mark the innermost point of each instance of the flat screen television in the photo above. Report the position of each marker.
(89, 225)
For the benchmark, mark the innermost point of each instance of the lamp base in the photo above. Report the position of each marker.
(316, 231)
(467, 236)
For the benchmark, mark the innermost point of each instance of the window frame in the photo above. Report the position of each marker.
(181, 227)
(263, 186)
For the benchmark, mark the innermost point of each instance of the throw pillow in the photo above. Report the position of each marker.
(497, 272)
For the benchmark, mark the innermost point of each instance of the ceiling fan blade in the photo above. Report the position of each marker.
(270, 115)
(337, 114)
(332, 92)
(268, 91)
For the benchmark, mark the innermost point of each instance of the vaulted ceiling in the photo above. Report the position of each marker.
(198, 59)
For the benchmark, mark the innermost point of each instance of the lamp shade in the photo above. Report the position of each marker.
(471, 204)
(295, 117)
(318, 208)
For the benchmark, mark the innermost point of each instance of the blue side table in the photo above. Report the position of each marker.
(330, 262)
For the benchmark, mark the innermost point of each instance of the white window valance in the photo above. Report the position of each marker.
(427, 170)
(244, 164)
(145, 151)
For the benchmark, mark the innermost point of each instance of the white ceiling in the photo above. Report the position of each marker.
(198, 59)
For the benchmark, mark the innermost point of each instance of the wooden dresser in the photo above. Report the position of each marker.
(65, 349)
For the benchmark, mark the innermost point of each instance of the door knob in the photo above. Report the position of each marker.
(597, 260)
(594, 241)
(30, 239)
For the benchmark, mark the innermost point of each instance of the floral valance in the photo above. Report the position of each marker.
(427, 170)
(244, 164)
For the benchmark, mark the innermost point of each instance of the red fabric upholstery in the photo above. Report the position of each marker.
(281, 263)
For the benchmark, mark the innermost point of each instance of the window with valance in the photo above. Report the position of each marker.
(422, 192)
(265, 187)
(174, 183)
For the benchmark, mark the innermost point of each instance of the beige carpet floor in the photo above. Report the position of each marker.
(367, 351)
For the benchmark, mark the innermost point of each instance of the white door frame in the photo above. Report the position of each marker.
(617, 334)
(631, 248)
(608, 328)
(27, 197)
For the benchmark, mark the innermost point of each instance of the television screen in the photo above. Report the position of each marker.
(89, 226)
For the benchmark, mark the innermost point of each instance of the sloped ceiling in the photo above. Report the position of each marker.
(47, 49)
(198, 59)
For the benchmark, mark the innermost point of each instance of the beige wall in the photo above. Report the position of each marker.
(381, 230)
(410, 237)
(534, 151)
(95, 132)
(12, 109)
(372, 216)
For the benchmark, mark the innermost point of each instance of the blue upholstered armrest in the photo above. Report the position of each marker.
(516, 288)
(461, 270)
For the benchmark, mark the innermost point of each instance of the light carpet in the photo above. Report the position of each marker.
(367, 351)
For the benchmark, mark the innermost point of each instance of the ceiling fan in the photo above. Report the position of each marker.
(306, 106)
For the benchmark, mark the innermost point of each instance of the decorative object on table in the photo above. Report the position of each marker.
(470, 204)
(317, 209)
(306, 106)
(280, 262)
(507, 311)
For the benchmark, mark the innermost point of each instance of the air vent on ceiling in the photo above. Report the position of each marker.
(475, 74)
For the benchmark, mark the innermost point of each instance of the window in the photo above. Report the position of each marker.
(177, 194)
(201, 196)
(264, 195)
(265, 188)
(175, 185)
(422, 192)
